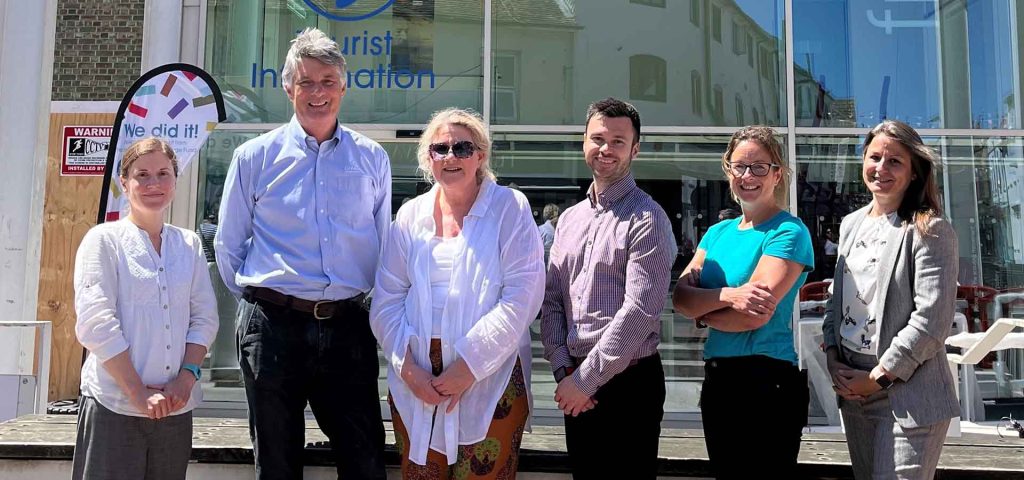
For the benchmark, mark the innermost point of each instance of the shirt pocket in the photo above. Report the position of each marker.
(352, 199)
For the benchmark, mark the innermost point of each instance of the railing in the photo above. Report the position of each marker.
(14, 361)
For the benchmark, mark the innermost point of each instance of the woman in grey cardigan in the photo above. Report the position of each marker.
(891, 311)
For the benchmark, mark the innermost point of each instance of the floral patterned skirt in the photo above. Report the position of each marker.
(494, 457)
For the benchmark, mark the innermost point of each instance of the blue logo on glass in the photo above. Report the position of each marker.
(341, 4)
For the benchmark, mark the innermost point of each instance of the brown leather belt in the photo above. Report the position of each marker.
(321, 310)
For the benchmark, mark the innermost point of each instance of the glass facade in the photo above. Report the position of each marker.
(696, 70)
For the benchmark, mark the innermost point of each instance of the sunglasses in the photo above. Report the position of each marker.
(463, 149)
(757, 169)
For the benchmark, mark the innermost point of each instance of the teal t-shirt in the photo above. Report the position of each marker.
(730, 259)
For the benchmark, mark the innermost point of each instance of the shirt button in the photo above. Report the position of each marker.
(167, 367)
(167, 327)
(168, 347)
(321, 210)
(164, 288)
(161, 269)
(321, 182)
(325, 239)
(165, 307)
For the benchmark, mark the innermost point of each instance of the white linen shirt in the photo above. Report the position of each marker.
(127, 297)
(496, 289)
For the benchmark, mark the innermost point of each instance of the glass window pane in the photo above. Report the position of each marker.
(574, 53)
(396, 70)
(930, 64)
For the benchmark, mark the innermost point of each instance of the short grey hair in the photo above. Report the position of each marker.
(311, 43)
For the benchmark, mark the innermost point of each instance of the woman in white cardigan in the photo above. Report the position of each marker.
(147, 315)
(460, 281)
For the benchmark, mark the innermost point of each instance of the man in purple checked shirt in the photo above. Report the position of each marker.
(600, 323)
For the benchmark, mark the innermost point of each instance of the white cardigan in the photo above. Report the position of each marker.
(496, 289)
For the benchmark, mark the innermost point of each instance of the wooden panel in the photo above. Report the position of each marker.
(69, 210)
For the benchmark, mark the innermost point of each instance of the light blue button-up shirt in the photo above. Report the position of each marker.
(304, 219)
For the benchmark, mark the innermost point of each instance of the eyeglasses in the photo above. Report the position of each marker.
(463, 149)
(756, 169)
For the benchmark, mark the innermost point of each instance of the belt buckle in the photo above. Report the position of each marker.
(316, 309)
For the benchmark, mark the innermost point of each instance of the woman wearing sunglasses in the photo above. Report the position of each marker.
(147, 315)
(742, 284)
(460, 281)
(892, 306)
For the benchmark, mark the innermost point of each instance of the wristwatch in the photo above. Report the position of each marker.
(884, 382)
(193, 369)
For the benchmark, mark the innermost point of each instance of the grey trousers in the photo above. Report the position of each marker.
(879, 447)
(114, 446)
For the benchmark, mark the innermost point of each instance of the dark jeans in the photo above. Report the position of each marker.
(288, 358)
(619, 437)
(754, 409)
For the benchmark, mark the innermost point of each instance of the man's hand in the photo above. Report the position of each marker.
(571, 400)
(754, 299)
(418, 380)
(453, 382)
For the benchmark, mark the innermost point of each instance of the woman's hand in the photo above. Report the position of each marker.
(691, 278)
(151, 401)
(419, 381)
(858, 382)
(453, 382)
(839, 382)
(754, 299)
(179, 390)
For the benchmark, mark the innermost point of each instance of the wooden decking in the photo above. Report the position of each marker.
(682, 452)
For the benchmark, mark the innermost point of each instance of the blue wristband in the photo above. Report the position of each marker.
(193, 369)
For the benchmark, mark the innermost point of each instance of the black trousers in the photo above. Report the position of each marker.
(619, 437)
(754, 409)
(288, 358)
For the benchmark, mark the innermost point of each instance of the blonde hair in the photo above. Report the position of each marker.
(920, 202)
(146, 146)
(767, 138)
(468, 119)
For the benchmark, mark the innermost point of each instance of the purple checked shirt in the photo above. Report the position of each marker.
(607, 283)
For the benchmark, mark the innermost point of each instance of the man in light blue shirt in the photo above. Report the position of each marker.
(302, 221)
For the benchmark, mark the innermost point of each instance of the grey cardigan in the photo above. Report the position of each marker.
(917, 277)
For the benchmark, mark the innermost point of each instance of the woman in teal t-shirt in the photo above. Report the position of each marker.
(742, 284)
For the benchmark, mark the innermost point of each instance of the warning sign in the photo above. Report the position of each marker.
(85, 150)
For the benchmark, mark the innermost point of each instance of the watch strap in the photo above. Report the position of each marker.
(884, 382)
(193, 369)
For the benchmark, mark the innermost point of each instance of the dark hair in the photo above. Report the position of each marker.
(614, 108)
(921, 201)
(767, 138)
